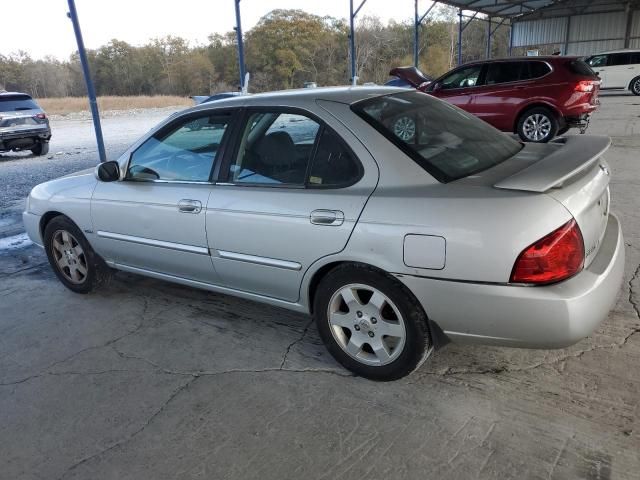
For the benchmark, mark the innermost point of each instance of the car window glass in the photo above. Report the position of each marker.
(447, 142)
(12, 103)
(503, 72)
(185, 153)
(333, 164)
(597, 61)
(619, 59)
(465, 77)
(532, 70)
(275, 148)
(635, 57)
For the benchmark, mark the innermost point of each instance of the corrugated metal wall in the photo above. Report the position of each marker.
(587, 33)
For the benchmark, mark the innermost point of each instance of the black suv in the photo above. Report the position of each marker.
(23, 124)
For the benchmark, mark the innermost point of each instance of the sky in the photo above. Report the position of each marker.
(40, 27)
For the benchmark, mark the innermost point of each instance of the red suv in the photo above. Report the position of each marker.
(538, 98)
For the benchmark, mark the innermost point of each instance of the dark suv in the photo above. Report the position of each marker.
(23, 124)
(536, 97)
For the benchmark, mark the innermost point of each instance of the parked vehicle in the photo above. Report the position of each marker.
(397, 220)
(618, 69)
(198, 99)
(23, 124)
(407, 77)
(537, 98)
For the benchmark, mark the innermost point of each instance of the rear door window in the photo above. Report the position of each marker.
(635, 58)
(619, 59)
(533, 70)
(503, 72)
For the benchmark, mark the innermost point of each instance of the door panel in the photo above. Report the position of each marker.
(155, 218)
(285, 206)
(458, 86)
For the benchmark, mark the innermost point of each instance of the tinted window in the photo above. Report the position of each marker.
(580, 68)
(333, 165)
(597, 61)
(635, 57)
(532, 70)
(186, 152)
(464, 77)
(11, 103)
(447, 142)
(619, 59)
(275, 149)
(502, 72)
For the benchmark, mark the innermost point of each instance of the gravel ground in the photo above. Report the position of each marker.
(72, 148)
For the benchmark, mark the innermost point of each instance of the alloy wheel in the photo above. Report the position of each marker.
(69, 256)
(536, 127)
(366, 324)
(405, 128)
(636, 87)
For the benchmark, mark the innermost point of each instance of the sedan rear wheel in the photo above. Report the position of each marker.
(371, 323)
(537, 125)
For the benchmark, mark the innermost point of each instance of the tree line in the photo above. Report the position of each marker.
(285, 49)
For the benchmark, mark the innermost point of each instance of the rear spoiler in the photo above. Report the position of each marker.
(576, 154)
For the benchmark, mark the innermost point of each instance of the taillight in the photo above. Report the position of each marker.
(584, 86)
(553, 258)
(41, 116)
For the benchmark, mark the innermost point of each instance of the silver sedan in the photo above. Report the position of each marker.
(397, 220)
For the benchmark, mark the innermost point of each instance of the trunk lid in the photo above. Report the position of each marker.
(572, 171)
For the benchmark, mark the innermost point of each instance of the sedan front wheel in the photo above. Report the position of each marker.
(371, 323)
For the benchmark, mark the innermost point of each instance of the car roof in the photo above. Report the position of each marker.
(346, 95)
(543, 58)
(622, 50)
(13, 94)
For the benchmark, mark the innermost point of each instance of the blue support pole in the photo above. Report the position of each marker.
(93, 104)
(510, 37)
(460, 28)
(238, 30)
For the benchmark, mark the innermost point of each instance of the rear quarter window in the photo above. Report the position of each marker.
(580, 68)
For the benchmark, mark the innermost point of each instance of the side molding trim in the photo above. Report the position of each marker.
(269, 262)
(181, 247)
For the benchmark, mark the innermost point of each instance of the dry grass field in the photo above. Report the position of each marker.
(65, 105)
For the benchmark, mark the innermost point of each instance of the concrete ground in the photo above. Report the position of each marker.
(145, 379)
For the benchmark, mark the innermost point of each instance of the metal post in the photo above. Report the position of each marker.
(238, 30)
(565, 48)
(352, 44)
(93, 104)
(489, 39)
(510, 36)
(416, 35)
(460, 37)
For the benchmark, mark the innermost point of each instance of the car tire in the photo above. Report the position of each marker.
(42, 148)
(71, 257)
(537, 125)
(634, 86)
(387, 346)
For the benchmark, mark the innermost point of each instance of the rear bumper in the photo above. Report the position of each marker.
(552, 316)
(8, 138)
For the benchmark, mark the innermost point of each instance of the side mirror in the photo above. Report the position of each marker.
(108, 171)
(435, 86)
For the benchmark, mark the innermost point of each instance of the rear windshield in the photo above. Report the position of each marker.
(11, 103)
(580, 67)
(447, 142)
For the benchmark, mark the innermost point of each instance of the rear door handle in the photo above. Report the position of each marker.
(189, 206)
(327, 217)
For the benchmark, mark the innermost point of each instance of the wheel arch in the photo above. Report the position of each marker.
(536, 104)
(46, 218)
(633, 80)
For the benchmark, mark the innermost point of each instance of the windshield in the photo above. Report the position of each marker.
(447, 142)
(16, 102)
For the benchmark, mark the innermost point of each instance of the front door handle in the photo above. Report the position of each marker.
(189, 206)
(327, 217)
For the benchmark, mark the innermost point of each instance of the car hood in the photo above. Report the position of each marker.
(74, 187)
